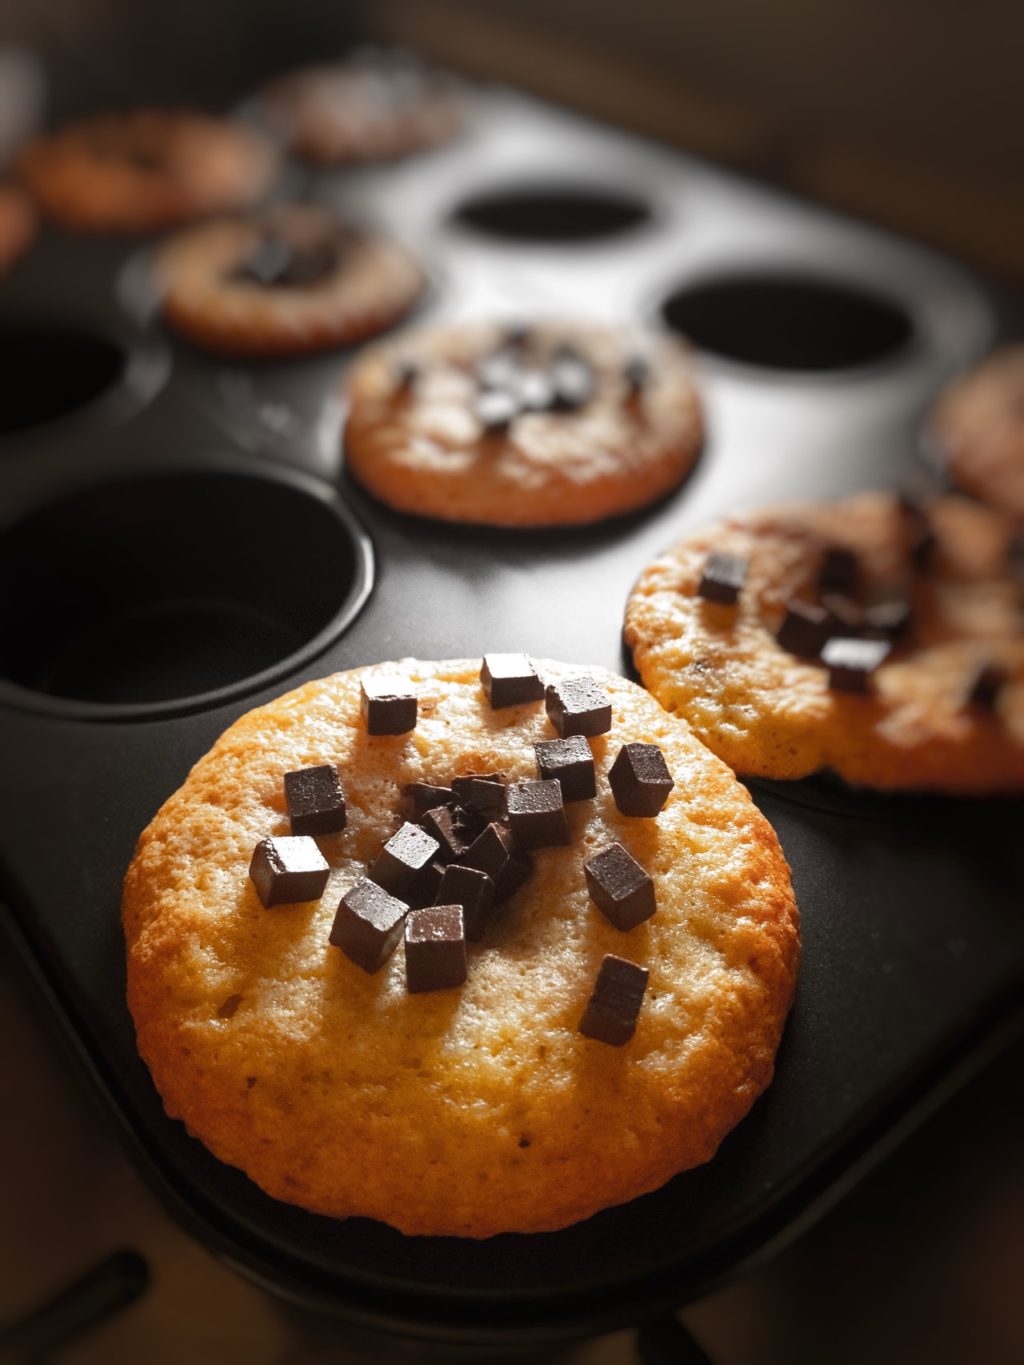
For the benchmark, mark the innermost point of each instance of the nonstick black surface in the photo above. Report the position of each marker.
(181, 544)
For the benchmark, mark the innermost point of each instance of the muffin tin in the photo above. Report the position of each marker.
(182, 543)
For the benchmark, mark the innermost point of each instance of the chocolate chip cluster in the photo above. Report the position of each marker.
(465, 848)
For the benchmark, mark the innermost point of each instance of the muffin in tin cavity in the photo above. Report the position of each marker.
(289, 281)
(298, 1042)
(145, 170)
(878, 637)
(17, 225)
(976, 430)
(551, 424)
(378, 105)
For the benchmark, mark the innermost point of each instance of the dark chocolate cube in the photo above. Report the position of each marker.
(573, 380)
(570, 763)
(368, 924)
(851, 663)
(315, 801)
(805, 629)
(536, 814)
(845, 617)
(886, 620)
(489, 850)
(423, 890)
(619, 887)
(425, 796)
(440, 824)
(578, 706)
(640, 779)
(515, 871)
(288, 869)
(614, 1004)
(388, 704)
(510, 679)
(404, 856)
(986, 685)
(838, 572)
(474, 891)
(495, 410)
(435, 948)
(722, 578)
(483, 793)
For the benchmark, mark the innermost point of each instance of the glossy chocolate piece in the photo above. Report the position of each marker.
(515, 872)
(570, 763)
(368, 924)
(403, 858)
(275, 263)
(315, 800)
(495, 410)
(288, 869)
(615, 1001)
(510, 680)
(722, 578)
(986, 685)
(851, 662)
(483, 793)
(474, 891)
(845, 616)
(578, 706)
(838, 572)
(388, 704)
(886, 620)
(536, 814)
(619, 887)
(489, 851)
(441, 824)
(435, 948)
(573, 380)
(424, 796)
(640, 779)
(535, 391)
(804, 630)
(423, 890)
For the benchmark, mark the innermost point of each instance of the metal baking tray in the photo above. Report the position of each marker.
(187, 545)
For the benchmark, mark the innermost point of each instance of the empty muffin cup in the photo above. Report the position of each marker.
(169, 592)
(789, 320)
(552, 213)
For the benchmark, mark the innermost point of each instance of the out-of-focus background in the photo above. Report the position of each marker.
(906, 112)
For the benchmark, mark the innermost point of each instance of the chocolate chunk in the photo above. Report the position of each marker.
(368, 924)
(851, 663)
(917, 528)
(619, 887)
(423, 890)
(425, 796)
(640, 779)
(838, 570)
(573, 380)
(499, 370)
(388, 704)
(403, 858)
(722, 578)
(845, 616)
(288, 869)
(489, 851)
(986, 685)
(536, 814)
(637, 374)
(275, 263)
(516, 334)
(886, 620)
(482, 793)
(435, 948)
(495, 410)
(570, 763)
(804, 630)
(406, 374)
(534, 391)
(440, 824)
(474, 891)
(515, 871)
(315, 801)
(510, 679)
(578, 706)
(614, 1004)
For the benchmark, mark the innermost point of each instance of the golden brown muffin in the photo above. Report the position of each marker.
(288, 281)
(146, 170)
(372, 107)
(553, 425)
(483, 1108)
(771, 712)
(17, 225)
(978, 428)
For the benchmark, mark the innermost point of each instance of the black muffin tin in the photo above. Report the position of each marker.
(185, 545)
